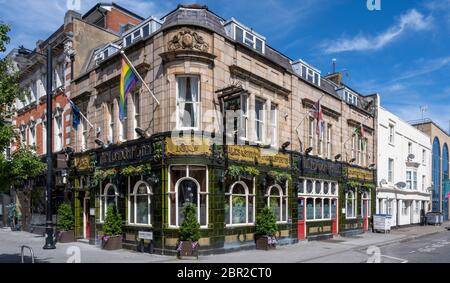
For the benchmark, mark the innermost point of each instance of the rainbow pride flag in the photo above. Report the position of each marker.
(128, 81)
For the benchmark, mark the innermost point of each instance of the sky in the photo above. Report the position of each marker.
(401, 52)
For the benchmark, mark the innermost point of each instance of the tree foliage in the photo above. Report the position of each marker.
(65, 217)
(113, 222)
(266, 223)
(190, 228)
(24, 163)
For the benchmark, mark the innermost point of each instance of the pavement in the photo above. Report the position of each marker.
(368, 247)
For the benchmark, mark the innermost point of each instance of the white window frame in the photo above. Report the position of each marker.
(262, 120)
(84, 134)
(392, 134)
(283, 201)
(111, 121)
(134, 194)
(199, 193)
(137, 112)
(247, 196)
(274, 124)
(391, 170)
(103, 200)
(311, 131)
(244, 37)
(198, 103)
(354, 202)
(329, 141)
(32, 135)
(58, 133)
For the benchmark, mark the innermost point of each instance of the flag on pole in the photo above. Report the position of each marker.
(128, 81)
(75, 115)
(318, 115)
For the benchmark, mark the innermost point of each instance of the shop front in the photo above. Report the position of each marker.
(318, 197)
(358, 200)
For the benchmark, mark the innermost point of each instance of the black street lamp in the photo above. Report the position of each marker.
(49, 240)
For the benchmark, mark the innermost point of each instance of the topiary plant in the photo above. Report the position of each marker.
(113, 222)
(266, 223)
(65, 217)
(190, 228)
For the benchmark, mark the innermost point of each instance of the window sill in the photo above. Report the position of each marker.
(319, 220)
(140, 225)
(239, 225)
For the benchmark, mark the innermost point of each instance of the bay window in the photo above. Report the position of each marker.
(139, 204)
(187, 184)
(188, 102)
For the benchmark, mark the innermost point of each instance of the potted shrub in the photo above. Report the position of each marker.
(65, 224)
(189, 233)
(112, 239)
(266, 228)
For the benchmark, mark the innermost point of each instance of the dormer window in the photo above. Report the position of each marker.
(245, 36)
(142, 31)
(307, 72)
(350, 98)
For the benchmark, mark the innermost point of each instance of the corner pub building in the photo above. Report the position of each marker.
(233, 133)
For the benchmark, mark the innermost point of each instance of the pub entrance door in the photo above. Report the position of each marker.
(301, 219)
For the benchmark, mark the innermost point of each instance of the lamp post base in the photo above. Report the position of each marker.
(49, 242)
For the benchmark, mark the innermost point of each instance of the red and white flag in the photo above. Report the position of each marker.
(318, 115)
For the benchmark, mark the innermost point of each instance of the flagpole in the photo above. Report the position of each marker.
(138, 75)
(81, 114)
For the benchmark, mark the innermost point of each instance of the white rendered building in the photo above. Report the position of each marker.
(403, 170)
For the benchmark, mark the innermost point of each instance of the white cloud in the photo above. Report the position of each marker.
(410, 21)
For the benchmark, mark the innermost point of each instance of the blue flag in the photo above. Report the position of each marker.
(75, 115)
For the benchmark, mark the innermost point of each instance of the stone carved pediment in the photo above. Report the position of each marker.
(188, 39)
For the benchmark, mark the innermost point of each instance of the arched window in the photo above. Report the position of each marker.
(140, 204)
(108, 197)
(188, 184)
(326, 188)
(309, 186)
(350, 206)
(318, 187)
(436, 168)
(277, 201)
(239, 208)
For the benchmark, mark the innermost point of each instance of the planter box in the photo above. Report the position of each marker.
(66, 236)
(187, 248)
(265, 243)
(112, 243)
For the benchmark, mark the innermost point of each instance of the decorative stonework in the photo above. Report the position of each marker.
(187, 39)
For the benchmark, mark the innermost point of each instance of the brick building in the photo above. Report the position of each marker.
(248, 109)
(72, 44)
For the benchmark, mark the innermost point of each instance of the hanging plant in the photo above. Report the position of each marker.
(368, 186)
(101, 175)
(136, 170)
(236, 171)
(353, 184)
(279, 177)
